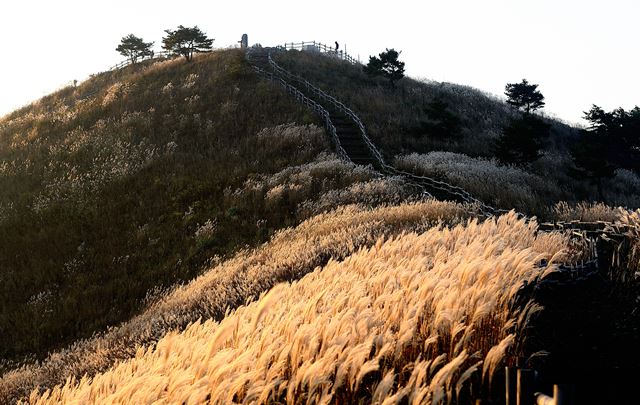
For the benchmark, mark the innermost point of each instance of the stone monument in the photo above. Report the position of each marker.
(244, 42)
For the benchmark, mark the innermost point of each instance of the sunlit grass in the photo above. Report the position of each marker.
(415, 317)
(290, 254)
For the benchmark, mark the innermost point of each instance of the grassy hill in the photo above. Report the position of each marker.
(181, 231)
(134, 181)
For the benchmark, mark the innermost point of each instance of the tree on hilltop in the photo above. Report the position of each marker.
(134, 47)
(186, 41)
(524, 137)
(524, 96)
(386, 64)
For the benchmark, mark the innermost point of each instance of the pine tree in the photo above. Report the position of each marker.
(443, 124)
(524, 137)
(522, 140)
(611, 141)
(386, 64)
(133, 48)
(186, 41)
(524, 96)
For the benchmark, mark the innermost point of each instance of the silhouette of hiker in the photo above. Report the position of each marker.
(336, 46)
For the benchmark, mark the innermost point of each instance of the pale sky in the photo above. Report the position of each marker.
(580, 52)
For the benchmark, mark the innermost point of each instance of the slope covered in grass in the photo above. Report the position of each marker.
(290, 254)
(414, 318)
(421, 117)
(115, 190)
(131, 208)
(399, 118)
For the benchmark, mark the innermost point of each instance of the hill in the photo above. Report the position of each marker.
(188, 232)
(116, 190)
(395, 321)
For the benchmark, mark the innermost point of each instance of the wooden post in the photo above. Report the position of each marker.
(563, 394)
(510, 374)
(526, 382)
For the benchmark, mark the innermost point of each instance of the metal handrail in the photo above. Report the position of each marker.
(127, 62)
(319, 109)
(433, 183)
(319, 47)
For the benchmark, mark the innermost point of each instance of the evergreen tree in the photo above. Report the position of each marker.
(186, 41)
(524, 137)
(522, 140)
(524, 96)
(611, 141)
(592, 159)
(443, 124)
(386, 64)
(133, 48)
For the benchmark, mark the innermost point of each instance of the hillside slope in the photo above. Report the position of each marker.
(420, 119)
(290, 254)
(133, 211)
(133, 181)
(409, 319)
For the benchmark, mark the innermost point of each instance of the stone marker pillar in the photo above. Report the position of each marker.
(244, 42)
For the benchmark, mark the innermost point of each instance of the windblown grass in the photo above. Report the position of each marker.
(419, 318)
(291, 254)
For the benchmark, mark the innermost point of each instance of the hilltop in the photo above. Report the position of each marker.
(168, 218)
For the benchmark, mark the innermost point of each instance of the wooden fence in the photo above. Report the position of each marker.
(520, 389)
(154, 55)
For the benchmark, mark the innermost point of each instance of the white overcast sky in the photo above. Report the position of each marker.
(581, 52)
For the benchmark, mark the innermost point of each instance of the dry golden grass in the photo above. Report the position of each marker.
(632, 219)
(588, 212)
(413, 318)
(290, 254)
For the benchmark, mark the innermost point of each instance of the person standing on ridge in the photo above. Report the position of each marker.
(336, 46)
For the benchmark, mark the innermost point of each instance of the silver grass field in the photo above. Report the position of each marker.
(412, 318)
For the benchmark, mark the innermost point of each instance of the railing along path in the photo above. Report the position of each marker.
(313, 46)
(154, 55)
(306, 101)
(424, 181)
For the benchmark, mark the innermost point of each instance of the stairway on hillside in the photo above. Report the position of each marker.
(347, 131)
(351, 138)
